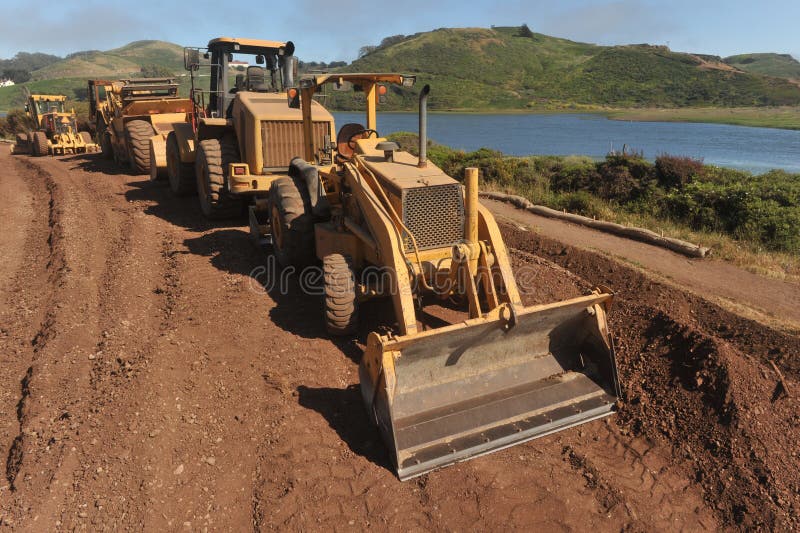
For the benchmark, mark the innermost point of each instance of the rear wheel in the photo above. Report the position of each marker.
(21, 145)
(137, 135)
(292, 223)
(341, 303)
(181, 175)
(86, 136)
(40, 143)
(105, 145)
(211, 168)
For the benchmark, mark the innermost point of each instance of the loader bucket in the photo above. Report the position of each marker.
(453, 393)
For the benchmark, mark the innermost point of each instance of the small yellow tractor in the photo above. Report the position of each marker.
(55, 130)
(487, 372)
(133, 117)
(244, 136)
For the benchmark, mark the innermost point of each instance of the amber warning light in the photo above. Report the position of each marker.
(293, 97)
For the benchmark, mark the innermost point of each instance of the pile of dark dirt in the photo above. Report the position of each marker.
(699, 379)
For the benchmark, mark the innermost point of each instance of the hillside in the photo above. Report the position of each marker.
(778, 65)
(499, 68)
(116, 63)
(68, 75)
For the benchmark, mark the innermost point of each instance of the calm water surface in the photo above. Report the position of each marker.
(753, 149)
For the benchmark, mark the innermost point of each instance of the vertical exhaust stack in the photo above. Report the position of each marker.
(423, 126)
(471, 205)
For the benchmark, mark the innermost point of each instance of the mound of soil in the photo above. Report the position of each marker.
(698, 378)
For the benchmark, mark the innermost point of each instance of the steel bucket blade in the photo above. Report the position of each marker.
(474, 388)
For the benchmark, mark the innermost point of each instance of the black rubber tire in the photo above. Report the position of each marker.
(137, 137)
(21, 145)
(105, 145)
(86, 136)
(292, 223)
(211, 167)
(40, 147)
(341, 303)
(181, 175)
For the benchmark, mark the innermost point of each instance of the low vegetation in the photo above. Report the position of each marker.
(752, 219)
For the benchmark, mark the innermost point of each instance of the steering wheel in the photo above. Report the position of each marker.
(360, 135)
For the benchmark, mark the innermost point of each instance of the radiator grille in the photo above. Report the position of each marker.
(283, 139)
(435, 215)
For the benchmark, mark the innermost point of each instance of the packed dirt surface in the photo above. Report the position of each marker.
(150, 380)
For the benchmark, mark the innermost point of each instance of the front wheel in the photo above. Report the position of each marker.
(213, 158)
(40, 144)
(341, 302)
(291, 223)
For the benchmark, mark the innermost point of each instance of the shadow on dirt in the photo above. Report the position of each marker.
(95, 163)
(343, 409)
(179, 211)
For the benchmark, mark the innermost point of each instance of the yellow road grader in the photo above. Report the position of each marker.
(387, 224)
(55, 130)
(133, 118)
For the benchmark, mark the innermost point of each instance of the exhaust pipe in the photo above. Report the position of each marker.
(423, 126)
(289, 68)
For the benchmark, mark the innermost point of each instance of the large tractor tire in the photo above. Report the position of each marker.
(137, 137)
(292, 223)
(40, 147)
(21, 146)
(341, 302)
(105, 145)
(212, 159)
(86, 137)
(181, 175)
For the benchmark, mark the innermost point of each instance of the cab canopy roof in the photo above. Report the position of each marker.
(358, 78)
(49, 97)
(248, 46)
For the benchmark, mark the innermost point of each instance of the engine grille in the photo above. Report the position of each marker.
(435, 215)
(283, 139)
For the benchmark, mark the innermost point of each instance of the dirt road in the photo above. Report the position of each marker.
(149, 380)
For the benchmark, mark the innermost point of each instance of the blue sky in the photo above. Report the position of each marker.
(335, 29)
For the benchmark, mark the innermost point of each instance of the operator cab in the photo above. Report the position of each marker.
(240, 65)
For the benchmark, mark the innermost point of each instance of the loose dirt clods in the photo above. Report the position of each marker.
(146, 383)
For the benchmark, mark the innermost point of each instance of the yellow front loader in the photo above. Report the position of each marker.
(55, 129)
(387, 224)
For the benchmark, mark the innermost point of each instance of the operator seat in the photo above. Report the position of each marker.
(238, 84)
(256, 79)
(345, 133)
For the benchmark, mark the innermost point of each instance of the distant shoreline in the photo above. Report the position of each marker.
(786, 118)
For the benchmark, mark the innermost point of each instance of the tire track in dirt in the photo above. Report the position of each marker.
(52, 389)
(47, 192)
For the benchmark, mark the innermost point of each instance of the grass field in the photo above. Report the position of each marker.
(785, 117)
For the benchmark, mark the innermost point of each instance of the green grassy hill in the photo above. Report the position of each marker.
(68, 75)
(498, 68)
(116, 63)
(778, 65)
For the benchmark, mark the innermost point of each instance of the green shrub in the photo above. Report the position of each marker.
(673, 172)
